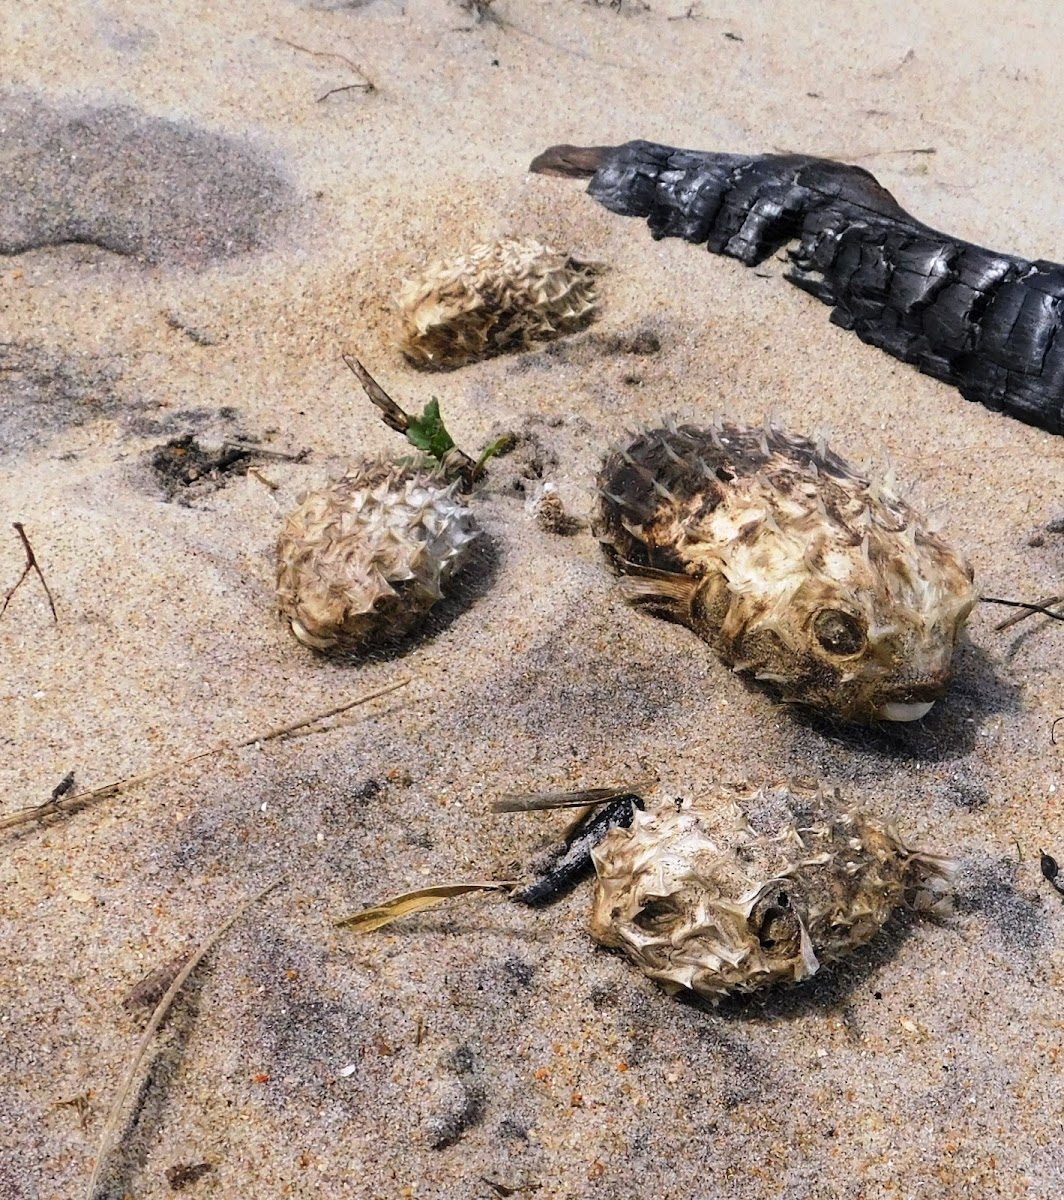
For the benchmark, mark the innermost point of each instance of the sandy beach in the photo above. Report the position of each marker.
(201, 208)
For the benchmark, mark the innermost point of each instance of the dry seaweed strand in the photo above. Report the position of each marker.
(31, 565)
(163, 1007)
(60, 807)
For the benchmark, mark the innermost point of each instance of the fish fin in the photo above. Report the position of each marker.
(674, 592)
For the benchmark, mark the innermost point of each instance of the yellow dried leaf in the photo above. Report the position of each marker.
(379, 915)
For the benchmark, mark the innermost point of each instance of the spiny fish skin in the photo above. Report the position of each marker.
(793, 566)
(361, 562)
(500, 297)
(748, 888)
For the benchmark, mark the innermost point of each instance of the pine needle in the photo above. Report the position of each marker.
(379, 915)
(161, 1009)
(56, 806)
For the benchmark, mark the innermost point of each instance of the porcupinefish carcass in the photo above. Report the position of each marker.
(790, 563)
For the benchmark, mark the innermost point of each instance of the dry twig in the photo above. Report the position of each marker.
(69, 804)
(455, 462)
(31, 565)
(367, 85)
(157, 1019)
(1042, 606)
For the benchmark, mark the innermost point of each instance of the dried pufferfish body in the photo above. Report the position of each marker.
(790, 564)
(363, 560)
(500, 297)
(748, 888)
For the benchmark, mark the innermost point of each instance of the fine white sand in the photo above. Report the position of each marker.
(484, 1050)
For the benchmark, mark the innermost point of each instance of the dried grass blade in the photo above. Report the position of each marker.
(71, 803)
(513, 802)
(379, 915)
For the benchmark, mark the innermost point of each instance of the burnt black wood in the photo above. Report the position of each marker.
(572, 862)
(988, 323)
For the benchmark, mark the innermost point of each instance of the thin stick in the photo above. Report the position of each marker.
(68, 804)
(161, 1009)
(1030, 609)
(7, 600)
(394, 417)
(319, 53)
(31, 565)
(368, 86)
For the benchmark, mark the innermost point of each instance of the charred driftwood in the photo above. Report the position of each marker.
(988, 323)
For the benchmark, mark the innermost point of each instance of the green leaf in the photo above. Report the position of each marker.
(428, 432)
(493, 448)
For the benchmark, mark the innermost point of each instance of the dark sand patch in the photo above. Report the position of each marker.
(160, 191)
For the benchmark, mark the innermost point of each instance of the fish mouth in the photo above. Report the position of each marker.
(899, 710)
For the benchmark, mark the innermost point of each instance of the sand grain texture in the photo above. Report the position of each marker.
(201, 274)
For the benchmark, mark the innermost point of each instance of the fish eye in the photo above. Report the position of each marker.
(775, 923)
(658, 914)
(839, 633)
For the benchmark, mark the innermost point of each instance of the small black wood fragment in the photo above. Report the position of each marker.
(1051, 871)
(572, 862)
